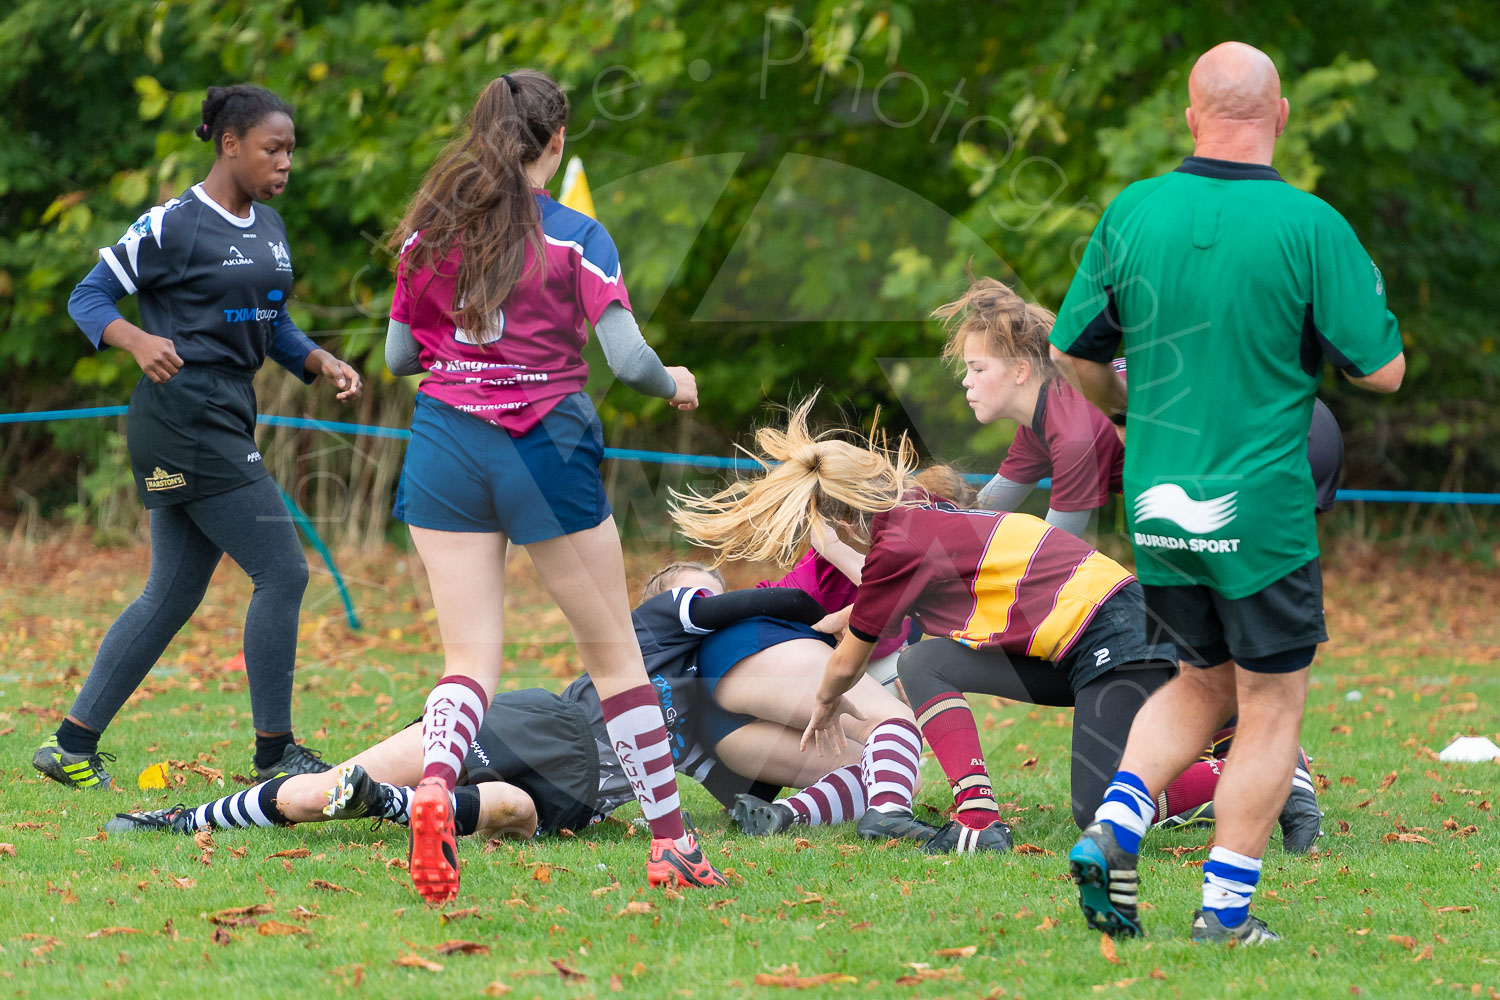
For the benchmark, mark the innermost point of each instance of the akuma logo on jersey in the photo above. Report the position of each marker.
(236, 258)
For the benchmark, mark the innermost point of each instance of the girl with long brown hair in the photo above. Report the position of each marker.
(496, 287)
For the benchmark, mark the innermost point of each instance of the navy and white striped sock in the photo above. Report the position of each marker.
(1129, 808)
(255, 806)
(1228, 883)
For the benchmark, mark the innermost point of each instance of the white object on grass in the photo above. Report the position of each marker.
(1470, 750)
(1354, 696)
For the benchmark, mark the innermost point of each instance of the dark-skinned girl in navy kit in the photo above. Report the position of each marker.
(212, 273)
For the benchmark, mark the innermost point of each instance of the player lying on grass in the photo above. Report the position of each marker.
(543, 762)
(1020, 609)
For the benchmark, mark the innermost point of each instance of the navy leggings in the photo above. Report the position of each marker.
(187, 540)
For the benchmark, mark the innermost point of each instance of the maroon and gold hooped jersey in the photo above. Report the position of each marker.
(983, 578)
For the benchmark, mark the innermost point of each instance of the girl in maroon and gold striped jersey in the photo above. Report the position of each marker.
(1017, 608)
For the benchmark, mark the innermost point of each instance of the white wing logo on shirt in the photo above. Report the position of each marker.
(1170, 502)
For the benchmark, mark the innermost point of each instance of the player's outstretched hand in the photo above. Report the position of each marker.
(825, 730)
(320, 362)
(687, 388)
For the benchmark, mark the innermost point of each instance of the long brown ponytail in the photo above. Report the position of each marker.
(477, 196)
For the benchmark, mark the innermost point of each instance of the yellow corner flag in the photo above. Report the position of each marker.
(575, 189)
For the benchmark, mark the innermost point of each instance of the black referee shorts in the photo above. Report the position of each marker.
(1273, 631)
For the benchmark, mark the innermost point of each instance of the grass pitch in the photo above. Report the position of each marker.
(1400, 900)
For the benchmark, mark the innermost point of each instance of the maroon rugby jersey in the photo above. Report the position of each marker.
(1070, 440)
(984, 578)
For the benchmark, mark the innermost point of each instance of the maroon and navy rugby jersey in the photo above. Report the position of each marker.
(536, 358)
(983, 578)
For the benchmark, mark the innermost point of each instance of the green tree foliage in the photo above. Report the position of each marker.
(793, 188)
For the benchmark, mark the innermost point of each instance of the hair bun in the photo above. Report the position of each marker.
(204, 132)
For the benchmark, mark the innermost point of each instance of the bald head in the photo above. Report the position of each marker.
(1235, 81)
(1234, 96)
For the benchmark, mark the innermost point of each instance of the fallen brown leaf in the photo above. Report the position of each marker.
(183, 883)
(291, 852)
(275, 928)
(1404, 940)
(568, 973)
(327, 886)
(1047, 924)
(801, 844)
(1455, 909)
(9, 849)
(1107, 949)
(1031, 849)
(496, 989)
(112, 931)
(1404, 838)
(412, 960)
(803, 982)
(1158, 974)
(448, 918)
(462, 948)
(1387, 781)
(635, 907)
(615, 985)
(236, 915)
(967, 951)
(221, 936)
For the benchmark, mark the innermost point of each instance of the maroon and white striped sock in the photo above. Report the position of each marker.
(890, 762)
(449, 722)
(639, 734)
(836, 797)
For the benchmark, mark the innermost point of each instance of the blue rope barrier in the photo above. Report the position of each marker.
(699, 461)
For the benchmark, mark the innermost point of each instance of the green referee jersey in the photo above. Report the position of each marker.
(1227, 288)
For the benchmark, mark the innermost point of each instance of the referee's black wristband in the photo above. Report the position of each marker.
(1118, 419)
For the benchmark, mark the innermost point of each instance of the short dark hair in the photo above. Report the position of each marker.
(237, 109)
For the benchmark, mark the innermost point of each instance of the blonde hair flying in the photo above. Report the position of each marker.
(807, 476)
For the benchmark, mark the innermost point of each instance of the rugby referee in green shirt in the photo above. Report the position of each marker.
(1227, 288)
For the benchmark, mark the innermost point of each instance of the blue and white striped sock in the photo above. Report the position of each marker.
(1228, 883)
(1128, 808)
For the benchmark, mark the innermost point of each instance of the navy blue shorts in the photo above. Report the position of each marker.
(721, 650)
(462, 473)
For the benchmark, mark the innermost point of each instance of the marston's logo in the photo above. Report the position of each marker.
(1170, 502)
(160, 480)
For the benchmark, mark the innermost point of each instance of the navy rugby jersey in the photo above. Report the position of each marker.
(669, 645)
(215, 284)
(670, 628)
